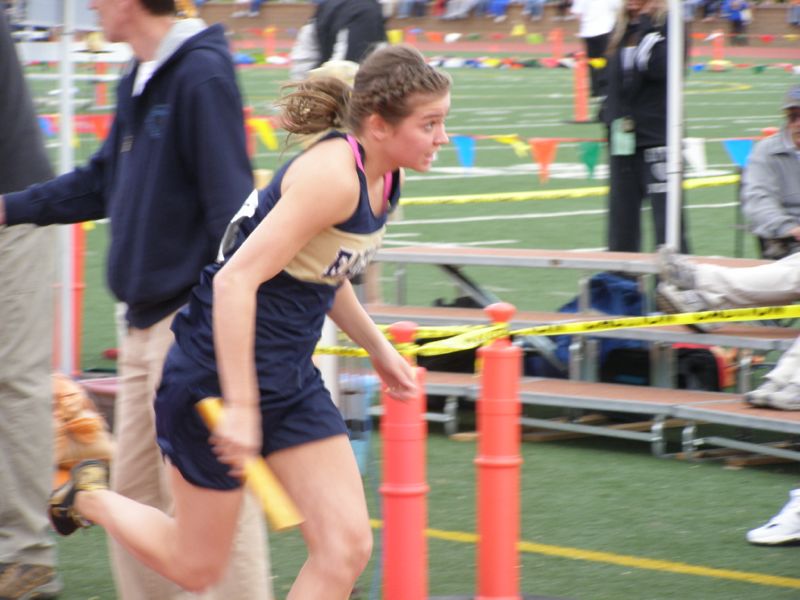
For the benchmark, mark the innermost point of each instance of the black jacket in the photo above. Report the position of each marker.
(23, 159)
(640, 93)
(359, 22)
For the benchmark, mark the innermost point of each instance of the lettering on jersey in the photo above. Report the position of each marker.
(349, 263)
(246, 211)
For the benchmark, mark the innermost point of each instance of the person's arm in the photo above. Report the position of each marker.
(74, 197)
(761, 197)
(651, 55)
(320, 189)
(350, 316)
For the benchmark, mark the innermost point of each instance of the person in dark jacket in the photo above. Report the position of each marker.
(170, 175)
(348, 29)
(27, 552)
(635, 112)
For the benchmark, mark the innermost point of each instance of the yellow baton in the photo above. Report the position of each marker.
(281, 512)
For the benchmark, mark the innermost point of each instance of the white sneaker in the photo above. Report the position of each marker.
(786, 398)
(671, 300)
(782, 528)
(758, 396)
(675, 268)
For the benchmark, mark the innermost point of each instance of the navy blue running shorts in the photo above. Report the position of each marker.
(288, 419)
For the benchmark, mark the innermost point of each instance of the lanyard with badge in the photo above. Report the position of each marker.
(623, 129)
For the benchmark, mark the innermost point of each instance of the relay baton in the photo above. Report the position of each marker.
(281, 512)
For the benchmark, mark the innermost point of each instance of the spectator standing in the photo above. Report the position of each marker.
(348, 29)
(339, 31)
(635, 111)
(411, 8)
(770, 191)
(27, 273)
(709, 9)
(534, 9)
(793, 16)
(738, 14)
(562, 10)
(170, 175)
(597, 19)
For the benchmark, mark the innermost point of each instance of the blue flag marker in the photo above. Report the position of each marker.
(44, 125)
(465, 149)
(739, 151)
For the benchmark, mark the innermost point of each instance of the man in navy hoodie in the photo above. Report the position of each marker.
(171, 174)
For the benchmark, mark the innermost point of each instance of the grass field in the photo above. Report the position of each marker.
(602, 520)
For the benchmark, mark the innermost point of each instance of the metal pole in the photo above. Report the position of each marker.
(66, 163)
(675, 54)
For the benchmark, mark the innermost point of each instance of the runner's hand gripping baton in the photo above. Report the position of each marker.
(281, 512)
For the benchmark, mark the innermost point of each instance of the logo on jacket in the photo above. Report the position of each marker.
(156, 120)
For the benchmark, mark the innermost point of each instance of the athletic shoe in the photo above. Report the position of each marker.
(670, 299)
(758, 396)
(786, 398)
(21, 581)
(782, 528)
(90, 475)
(676, 269)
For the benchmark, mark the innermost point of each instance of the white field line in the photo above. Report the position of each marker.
(548, 215)
(453, 244)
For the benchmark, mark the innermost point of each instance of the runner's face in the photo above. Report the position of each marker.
(417, 138)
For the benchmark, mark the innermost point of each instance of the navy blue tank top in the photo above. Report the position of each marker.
(291, 307)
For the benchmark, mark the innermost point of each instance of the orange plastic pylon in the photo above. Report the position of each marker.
(581, 88)
(557, 39)
(718, 45)
(498, 464)
(404, 489)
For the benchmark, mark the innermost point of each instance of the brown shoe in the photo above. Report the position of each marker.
(87, 476)
(21, 581)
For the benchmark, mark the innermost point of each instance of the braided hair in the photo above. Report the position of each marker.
(386, 84)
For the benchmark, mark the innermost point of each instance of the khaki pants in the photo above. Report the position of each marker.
(26, 395)
(776, 282)
(138, 472)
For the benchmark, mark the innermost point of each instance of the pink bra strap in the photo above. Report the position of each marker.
(354, 145)
(387, 177)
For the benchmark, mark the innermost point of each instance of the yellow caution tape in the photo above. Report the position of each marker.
(480, 335)
(465, 341)
(347, 351)
(445, 331)
(708, 316)
(573, 193)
